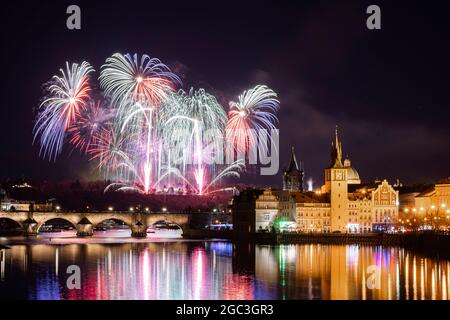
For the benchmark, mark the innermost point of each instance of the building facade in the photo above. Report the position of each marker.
(342, 205)
(437, 199)
(274, 205)
(354, 208)
(313, 212)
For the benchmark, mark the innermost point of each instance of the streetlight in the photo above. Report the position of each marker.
(147, 209)
(164, 209)
(110, 208)
(58, 208)
(131, 209)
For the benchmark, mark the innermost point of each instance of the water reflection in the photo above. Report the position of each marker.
(219, 270)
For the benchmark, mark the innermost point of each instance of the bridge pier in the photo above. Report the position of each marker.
(138, 230)
(30, 227)
(85, 228)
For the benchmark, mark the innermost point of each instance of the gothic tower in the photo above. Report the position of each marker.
(293, 175)
(337, 186)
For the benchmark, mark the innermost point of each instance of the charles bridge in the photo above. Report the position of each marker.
(85, 222)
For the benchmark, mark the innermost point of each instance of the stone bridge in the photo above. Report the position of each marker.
(85, 222)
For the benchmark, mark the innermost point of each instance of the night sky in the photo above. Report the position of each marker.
(387, 90)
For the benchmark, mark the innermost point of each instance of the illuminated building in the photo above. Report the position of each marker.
(343, 204)
(438, 198)
(427, 209)
(312, 212)
(272, 205)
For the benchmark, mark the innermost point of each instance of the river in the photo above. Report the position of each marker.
(171, 268)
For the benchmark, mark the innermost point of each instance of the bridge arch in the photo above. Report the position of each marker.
(41, 223)
(128, 227)
(12, 221)
(165, 221)
(181, 226)
(181, 220)
(100, 221)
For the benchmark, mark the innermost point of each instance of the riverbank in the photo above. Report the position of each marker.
(424, 242)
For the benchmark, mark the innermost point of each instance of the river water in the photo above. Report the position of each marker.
(164, 268)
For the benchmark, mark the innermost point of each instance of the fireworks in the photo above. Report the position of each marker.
(150, 137)
(255, 110)
(91, 121)
(147, 80)
(67, 96)
(138, 86)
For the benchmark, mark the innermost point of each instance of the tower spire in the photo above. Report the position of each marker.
(293, 163)
(293, 175)
(338, 146)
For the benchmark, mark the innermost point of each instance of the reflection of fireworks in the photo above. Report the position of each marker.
(67, 95)
(92, 120)
(254, 111)
(151, 138)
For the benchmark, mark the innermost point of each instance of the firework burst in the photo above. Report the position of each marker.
(66, 96)
(91, 121)
(145, 79)
(255, 110)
